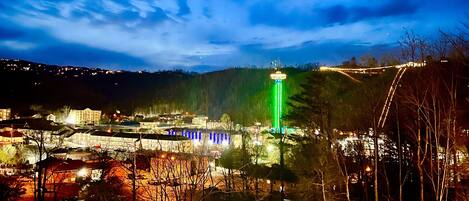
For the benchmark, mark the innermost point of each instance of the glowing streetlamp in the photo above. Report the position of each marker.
(368, 169)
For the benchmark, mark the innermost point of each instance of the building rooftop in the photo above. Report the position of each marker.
(30, 123)
(137, 135)
(63, 165)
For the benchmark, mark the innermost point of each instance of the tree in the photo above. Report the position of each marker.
(368, 61)
(231, 160)
(10, 188)
(11, 155)
(226, 121)
(318, 175)
(43, 153)
(431, 104)
(388, 59)
(108, 189)
(319, 108)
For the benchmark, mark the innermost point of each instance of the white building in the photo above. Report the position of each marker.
(128, 141)
(86, 116)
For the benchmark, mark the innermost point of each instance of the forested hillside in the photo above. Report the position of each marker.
(243, 93)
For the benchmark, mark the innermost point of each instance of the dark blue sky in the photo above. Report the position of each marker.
(168, 34)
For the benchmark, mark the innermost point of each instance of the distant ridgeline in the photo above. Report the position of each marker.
(243, 93)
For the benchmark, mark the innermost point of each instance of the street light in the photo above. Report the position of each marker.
(368, 169)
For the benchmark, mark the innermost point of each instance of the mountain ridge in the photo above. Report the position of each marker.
(243, 93)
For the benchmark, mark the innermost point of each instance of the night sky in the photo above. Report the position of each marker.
(212, 34)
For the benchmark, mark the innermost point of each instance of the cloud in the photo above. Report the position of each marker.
(113, 7)
(62, 53)
(308, 16)
(17, 45)
(168, 33)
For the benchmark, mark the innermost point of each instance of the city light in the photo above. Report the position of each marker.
(70, 119)
(278, 75)
(83, 172)
(368, 169)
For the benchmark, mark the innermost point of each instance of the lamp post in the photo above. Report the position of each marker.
(278, 77)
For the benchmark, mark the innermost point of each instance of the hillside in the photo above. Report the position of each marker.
(241, 92)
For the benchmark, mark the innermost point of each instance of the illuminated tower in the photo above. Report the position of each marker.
(278, 77)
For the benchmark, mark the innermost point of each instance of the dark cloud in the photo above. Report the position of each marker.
(183, 8)
(99, 14)
(393, 8)
(269, 14)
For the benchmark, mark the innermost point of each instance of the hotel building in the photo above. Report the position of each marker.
(86, 116)
(5, 114)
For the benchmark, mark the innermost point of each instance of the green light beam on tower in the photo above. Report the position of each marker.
(278, 77)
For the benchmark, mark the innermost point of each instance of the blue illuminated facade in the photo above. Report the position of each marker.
(195, 135)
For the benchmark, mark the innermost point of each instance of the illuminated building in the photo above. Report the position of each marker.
(10, 136)
(278, 77)
(68, 174)
(86, 116)
(5, 114)
(177, 168)
(128, 141)
(213, 139)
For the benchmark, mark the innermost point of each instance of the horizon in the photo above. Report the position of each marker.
(209, 36)
(187, 70)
